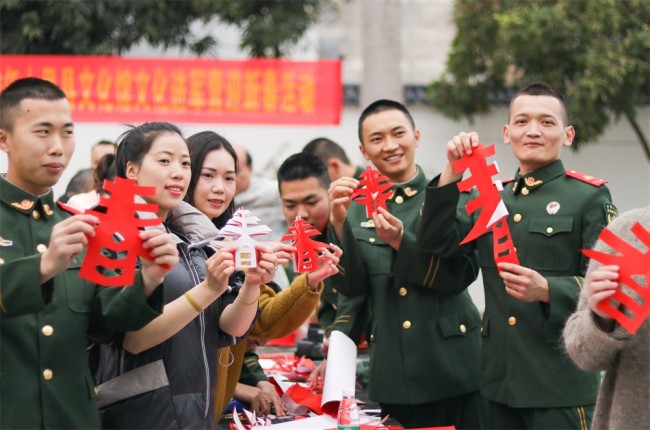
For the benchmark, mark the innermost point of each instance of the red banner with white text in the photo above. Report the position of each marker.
(255, 91)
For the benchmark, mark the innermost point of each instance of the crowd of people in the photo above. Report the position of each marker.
(172, 349)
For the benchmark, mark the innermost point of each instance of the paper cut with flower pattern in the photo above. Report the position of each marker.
(241, 231)
(493, 212)
(116, 244)
(305, 258)
(629, 306)
(373, 191)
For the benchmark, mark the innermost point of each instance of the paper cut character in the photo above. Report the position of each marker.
(373, 191)
(305, 258)
(116, 244)
(629, 306)
(493, 215)
(243, 228)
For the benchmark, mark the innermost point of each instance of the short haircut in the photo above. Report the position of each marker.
(303, 166)
(541, 89)
(81, 182)
(325, 149)
(380, 106)
(21, 89)
(104, 143)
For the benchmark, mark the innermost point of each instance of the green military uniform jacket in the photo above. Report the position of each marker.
(45, 381)
(552, 217)
(251, 371)
(424, 341)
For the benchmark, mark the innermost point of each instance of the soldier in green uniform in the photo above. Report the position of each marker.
(424, 341)
(45, 307)
(553, 214)
(303, 180)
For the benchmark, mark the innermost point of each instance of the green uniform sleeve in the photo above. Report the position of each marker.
(444, 222)
(352, 317)
(251, 371)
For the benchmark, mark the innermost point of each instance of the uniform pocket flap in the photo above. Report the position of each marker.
(549, 226)
(460, 323)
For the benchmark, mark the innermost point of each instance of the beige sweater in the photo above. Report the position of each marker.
(624, 397)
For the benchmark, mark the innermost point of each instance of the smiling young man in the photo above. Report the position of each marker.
(45, 307)
(303, 180)
(424, 341)
(553, 214)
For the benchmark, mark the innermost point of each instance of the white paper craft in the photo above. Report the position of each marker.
(241, 231)
(341, 370)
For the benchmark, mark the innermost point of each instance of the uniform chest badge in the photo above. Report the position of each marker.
(368, 224)
(552, 208)
(5, 242)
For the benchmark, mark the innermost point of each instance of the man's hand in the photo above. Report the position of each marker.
(340, 195)
(327, 266)
(389, 228)
(268, 392)
(68, 238)
(523, 283)
(317, 377)
(459, 146)
(164, 253)
(260, 398)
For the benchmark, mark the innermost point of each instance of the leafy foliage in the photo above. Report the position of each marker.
(110, 27)
(596, 51)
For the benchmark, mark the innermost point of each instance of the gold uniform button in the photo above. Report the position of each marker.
(48, 374)
(41, 248)
(481, 329)
(549, 230)
(462, 328)
(516, 218)
(371, 240)
(525, 191)
(512, 321)
(334, 290)
(36, 215)
(406, 325)
(47, 330)
(96, 391)
(403, 292)
(399, 200)
(2, 261)
(372, 338)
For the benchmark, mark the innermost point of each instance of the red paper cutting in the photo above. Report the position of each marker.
(630, 312)
(118, 232)
(493, 213)
(242, 228)
(373, 191)
(305, 258)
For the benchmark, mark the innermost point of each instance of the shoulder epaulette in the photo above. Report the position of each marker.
(592, 180)
(505, 181)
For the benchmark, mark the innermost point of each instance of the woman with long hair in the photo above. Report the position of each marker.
(208, 304)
